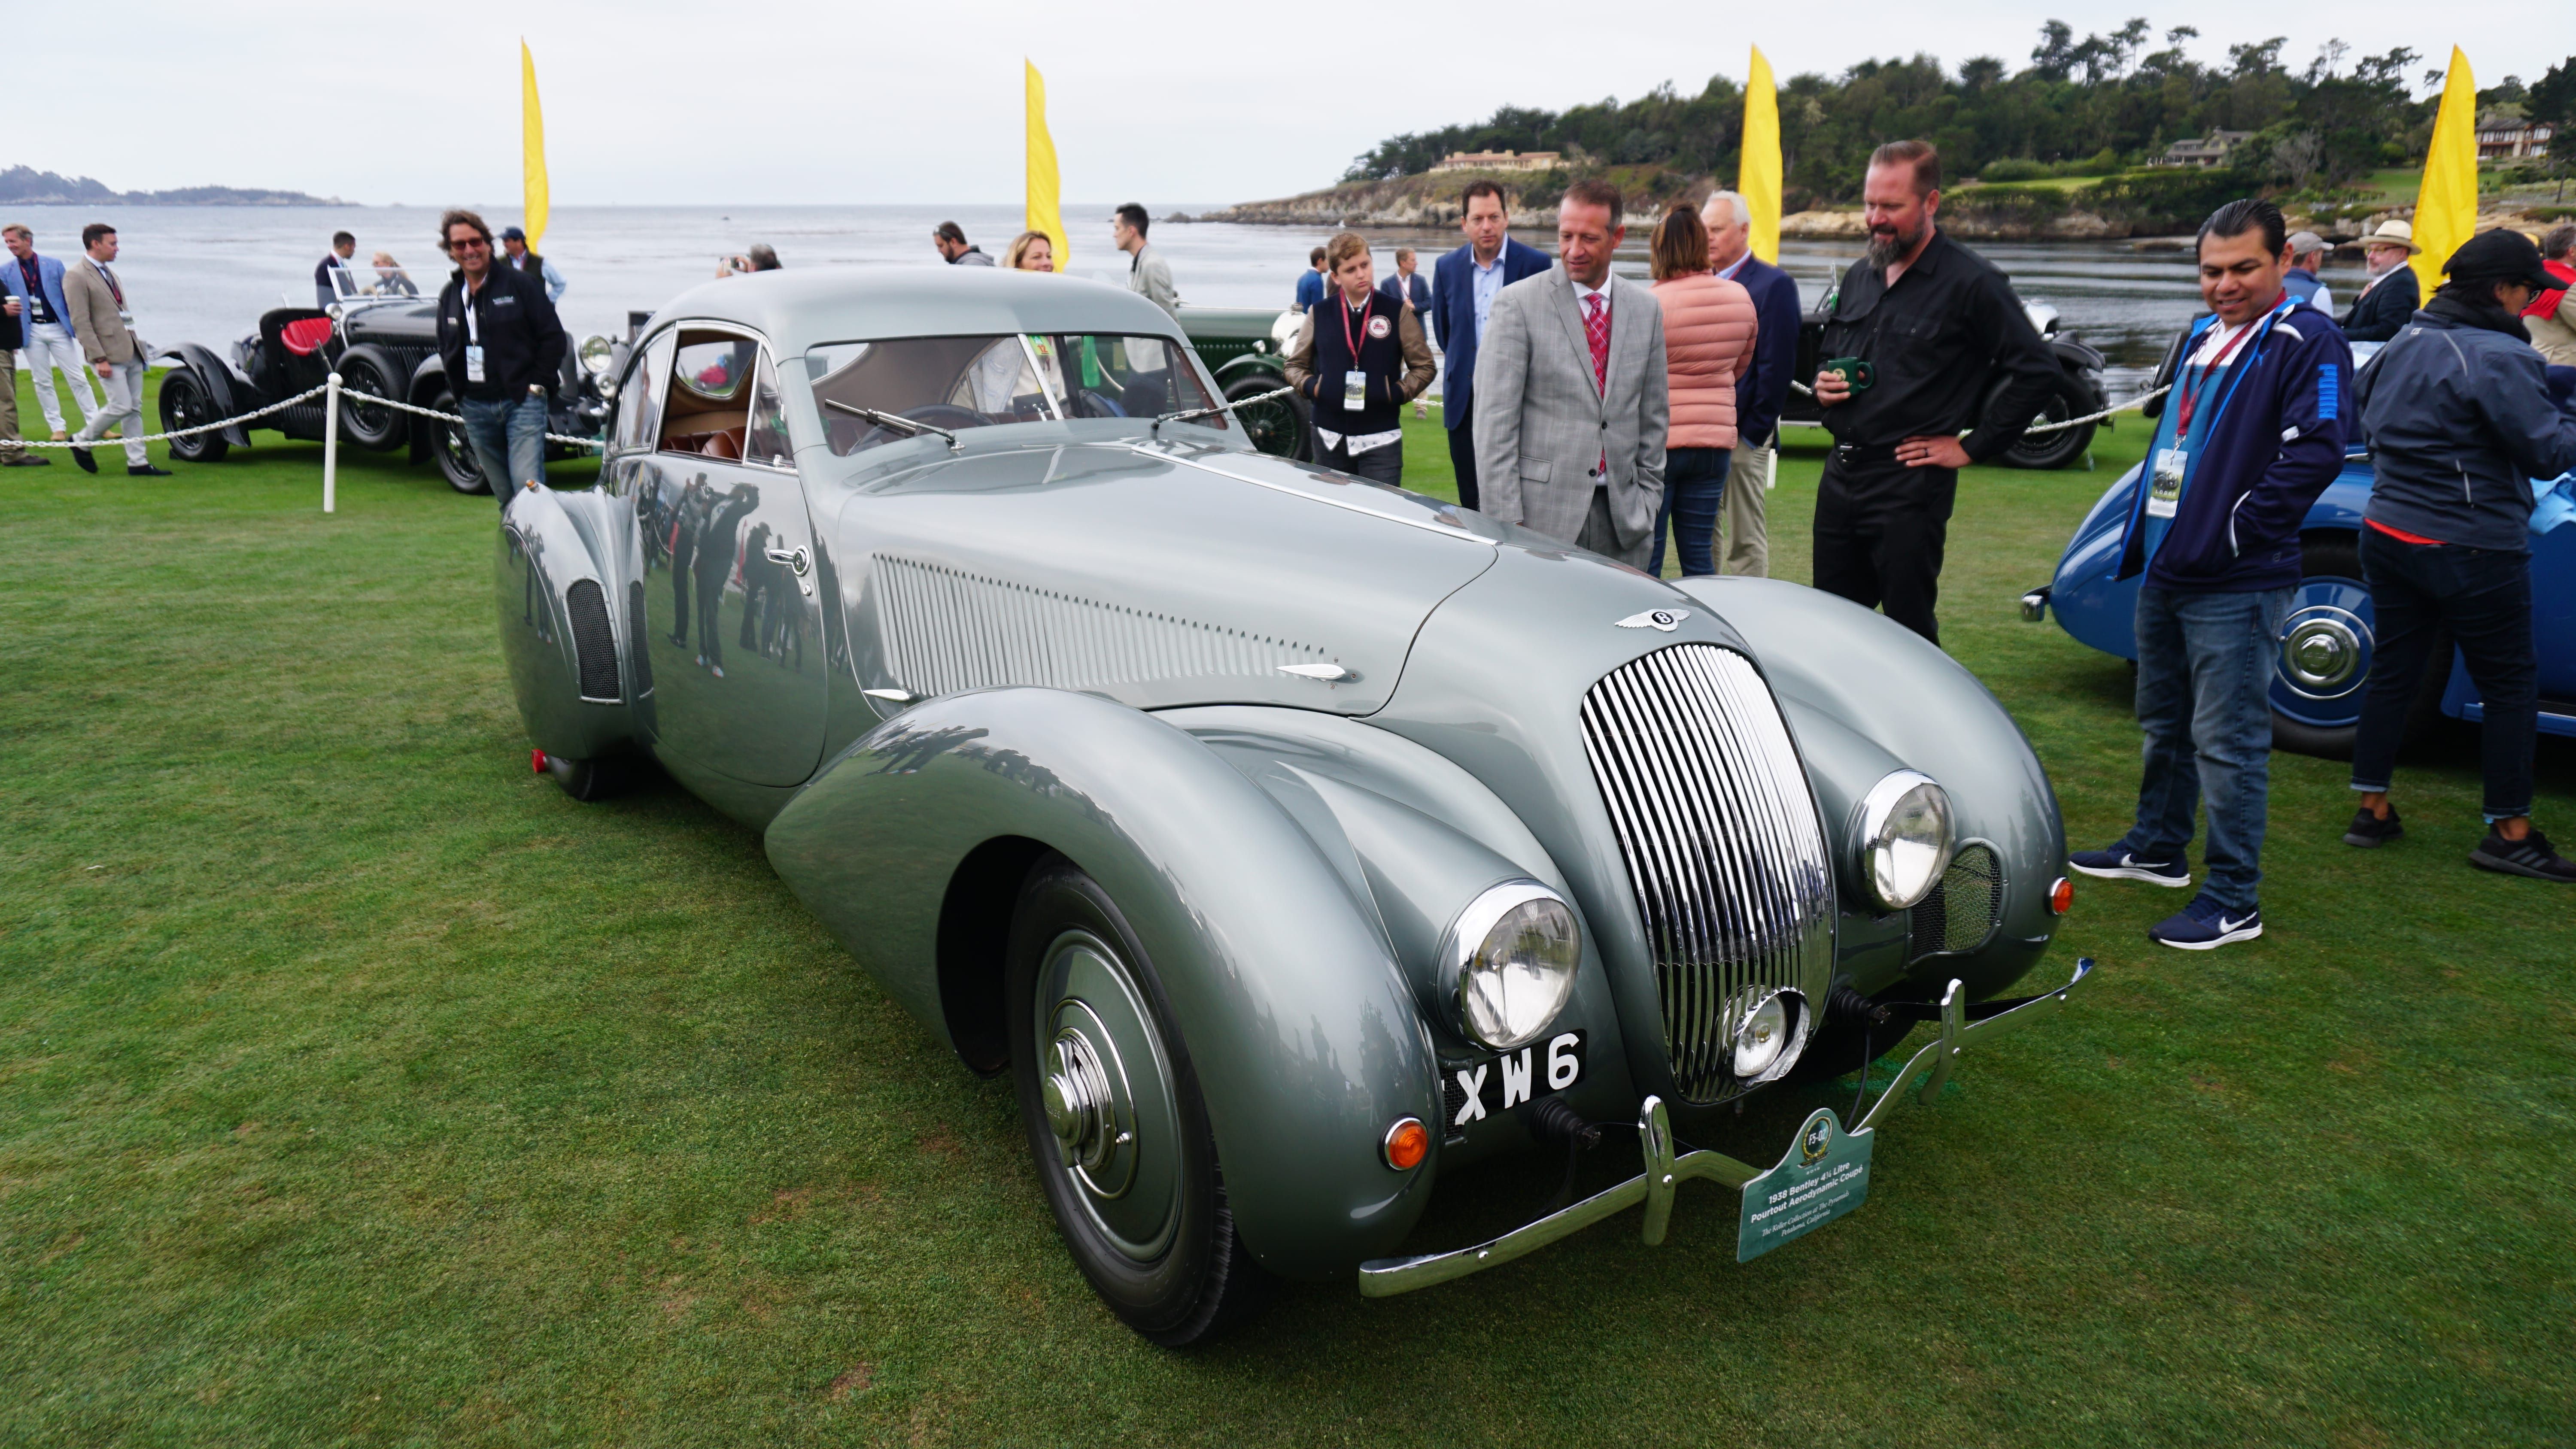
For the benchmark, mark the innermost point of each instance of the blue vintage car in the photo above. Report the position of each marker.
(2323, 668)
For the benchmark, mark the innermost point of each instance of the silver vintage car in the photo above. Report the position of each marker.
(1289, 839)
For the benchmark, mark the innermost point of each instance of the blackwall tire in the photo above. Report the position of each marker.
(185, 403)
(1146, 1217)
(367, 373)
(455, 456)
(2072, 399)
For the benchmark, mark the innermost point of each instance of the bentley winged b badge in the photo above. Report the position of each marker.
(1665, 619)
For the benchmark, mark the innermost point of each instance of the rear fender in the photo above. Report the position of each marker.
(1252, 364)
(568, 648)
(427, 381)
(1292, 1010)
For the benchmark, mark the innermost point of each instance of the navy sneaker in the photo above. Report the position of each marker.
(2118, 864)
(2370, 832)
(2204, 924)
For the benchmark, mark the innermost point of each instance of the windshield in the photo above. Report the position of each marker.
(974, 382)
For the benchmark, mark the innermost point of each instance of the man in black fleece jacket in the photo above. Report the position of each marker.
(2461, 415)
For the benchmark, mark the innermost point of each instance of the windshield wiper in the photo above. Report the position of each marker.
(891, 420)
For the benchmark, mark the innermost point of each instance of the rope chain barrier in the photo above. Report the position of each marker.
(2141, 400)
(282, 404)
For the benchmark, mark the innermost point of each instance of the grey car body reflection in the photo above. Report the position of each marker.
(1291, 722)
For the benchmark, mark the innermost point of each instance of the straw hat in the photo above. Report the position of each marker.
(2394, 234)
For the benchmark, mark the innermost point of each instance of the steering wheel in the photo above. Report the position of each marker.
(1090, 404)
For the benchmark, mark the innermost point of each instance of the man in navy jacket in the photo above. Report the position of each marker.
(2253, 432)
(1763, 390)
(1463, 285)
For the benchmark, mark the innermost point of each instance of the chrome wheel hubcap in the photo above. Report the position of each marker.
(2321, 652)
(1105, 1086)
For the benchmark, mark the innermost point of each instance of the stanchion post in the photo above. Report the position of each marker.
(330, 443)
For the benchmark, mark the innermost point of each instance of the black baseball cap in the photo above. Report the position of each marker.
(2501, 255)
(512, 233)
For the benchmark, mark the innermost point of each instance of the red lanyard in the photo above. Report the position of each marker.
(2191, 395)
(1348, 339)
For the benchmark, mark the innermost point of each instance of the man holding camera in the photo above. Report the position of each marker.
(1921, 325)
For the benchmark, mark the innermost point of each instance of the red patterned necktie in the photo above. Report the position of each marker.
(1596, 326)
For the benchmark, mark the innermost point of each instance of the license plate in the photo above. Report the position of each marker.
(1487, 1085)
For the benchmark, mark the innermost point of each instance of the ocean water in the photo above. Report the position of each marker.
(204, 274)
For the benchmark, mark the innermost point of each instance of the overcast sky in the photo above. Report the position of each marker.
(777, 101)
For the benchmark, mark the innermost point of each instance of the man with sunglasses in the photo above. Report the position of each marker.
(504, 350)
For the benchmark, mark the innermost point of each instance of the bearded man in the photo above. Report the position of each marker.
(1920, 327)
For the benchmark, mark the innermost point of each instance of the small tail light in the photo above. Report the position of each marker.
(2061, 896)
(537, 762)
(1407, 1143)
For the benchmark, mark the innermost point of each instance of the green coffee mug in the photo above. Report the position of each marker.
(1855, 372)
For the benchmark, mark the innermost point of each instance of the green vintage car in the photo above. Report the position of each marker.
(1246, 350)
(1291, 841)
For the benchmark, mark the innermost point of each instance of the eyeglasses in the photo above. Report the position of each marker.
(470, 244)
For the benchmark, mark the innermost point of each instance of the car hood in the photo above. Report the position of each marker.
(1156, 575)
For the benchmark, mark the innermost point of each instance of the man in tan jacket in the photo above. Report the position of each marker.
(103, 319)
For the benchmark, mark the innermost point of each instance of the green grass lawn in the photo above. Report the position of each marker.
(358, 1087)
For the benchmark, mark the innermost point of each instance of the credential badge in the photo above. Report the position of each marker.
(1665, 619)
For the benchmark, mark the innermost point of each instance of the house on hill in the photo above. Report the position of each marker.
(2210, 150)
(1499, 161)
(2503, 133)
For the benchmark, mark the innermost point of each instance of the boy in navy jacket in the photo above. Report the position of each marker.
(2253, 432)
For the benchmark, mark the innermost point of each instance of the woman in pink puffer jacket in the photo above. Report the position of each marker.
(1709, 328)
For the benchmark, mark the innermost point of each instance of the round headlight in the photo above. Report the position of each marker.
(1284, 329)
(1770, 1036)
(596, 352)
(1905, 838)
(1513, 952)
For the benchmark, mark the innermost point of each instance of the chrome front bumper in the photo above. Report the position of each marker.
(1664, 1173)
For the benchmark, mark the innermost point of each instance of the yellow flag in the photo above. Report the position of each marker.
(1046, 210)
(532, 144)
(2446, 205)
(1757, 176)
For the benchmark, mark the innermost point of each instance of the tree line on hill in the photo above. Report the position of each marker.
(2094, 106)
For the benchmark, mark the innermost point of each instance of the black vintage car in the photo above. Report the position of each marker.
(384, 344)
(2079, 390)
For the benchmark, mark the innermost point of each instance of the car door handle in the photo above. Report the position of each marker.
(797, 564)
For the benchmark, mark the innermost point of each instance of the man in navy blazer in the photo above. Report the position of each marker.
(1463, 285)
(1763, 390)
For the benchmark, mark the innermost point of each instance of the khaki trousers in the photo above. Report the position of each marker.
(1746, 550)
(10, 452)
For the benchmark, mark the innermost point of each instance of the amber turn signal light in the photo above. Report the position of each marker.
(1407, 1143)
(2061, 896)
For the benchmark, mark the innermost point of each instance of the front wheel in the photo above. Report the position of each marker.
(456, 460)
(185, 404)
(366, 373)
(1278, 426)
(2074, 398)
(1115, 1118)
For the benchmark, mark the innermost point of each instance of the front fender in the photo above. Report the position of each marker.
(1906, 701)
(226, 389)
(1290, 1005)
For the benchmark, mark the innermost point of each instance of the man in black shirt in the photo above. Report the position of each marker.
(503, 349)
(1934, 322)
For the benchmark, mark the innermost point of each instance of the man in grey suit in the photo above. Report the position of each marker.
(1571, 401)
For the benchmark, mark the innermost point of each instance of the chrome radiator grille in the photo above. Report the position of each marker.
(1721, 840)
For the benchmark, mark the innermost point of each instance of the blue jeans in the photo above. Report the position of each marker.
(2204, 701)
(1694, 495)
(2484, 599)
(509, 441)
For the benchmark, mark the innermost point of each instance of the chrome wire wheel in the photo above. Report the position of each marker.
(1117, 1127)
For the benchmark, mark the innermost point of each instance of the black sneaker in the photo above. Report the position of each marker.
(2529, 856)
(146, 470)
(82, 457)
(2370, 831)
(2117, 864)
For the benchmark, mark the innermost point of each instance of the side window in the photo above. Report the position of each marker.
(708, 406)
(765, 435)
(639, 402)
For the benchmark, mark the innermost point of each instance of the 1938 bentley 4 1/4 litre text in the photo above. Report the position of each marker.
(1289, 839)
